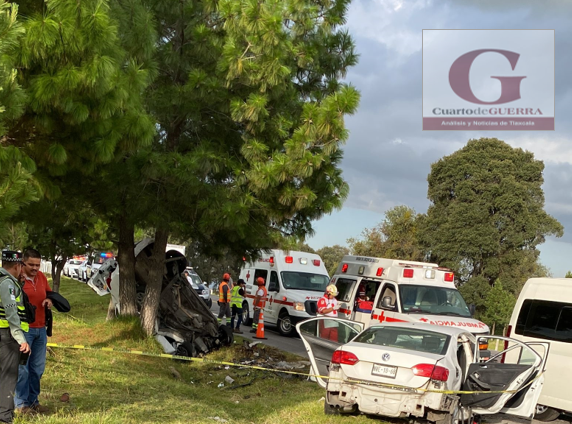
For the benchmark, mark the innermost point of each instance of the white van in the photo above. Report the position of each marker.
(401, 291)
(543, 312)
(294, 280)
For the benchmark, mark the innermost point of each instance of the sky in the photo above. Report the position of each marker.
(388, 157)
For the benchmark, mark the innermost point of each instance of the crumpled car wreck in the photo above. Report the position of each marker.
(185, 325)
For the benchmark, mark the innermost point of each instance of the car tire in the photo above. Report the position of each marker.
(246, 319)
(225, 335)
(330, 410)
(209, 303)
(544, 413)
(285, 324)
(185, 349)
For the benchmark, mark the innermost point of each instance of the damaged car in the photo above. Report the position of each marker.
(185, 325)
(417, 370)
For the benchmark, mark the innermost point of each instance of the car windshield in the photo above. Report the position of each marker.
(433, 300)
(405, 338)
(196, 279)
(304, 281)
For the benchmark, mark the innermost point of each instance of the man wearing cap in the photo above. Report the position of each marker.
(328, 306)
(13, 325)
(236, 299)
(224, 299)
(37, 288)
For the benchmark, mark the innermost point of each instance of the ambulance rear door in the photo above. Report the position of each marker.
(347, 287)
(386, 304)
(273, 288)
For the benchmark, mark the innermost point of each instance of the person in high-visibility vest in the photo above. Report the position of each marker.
(259, 302)
(224, 299)
(13, 325)
(236, 299)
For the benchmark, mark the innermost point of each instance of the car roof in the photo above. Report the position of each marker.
(450, 331)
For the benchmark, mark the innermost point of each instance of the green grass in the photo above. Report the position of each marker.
(112, 387)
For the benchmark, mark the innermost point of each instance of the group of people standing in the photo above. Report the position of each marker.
(231, 298)
(24, 300)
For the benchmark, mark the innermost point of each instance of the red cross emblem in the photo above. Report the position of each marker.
(248, 276)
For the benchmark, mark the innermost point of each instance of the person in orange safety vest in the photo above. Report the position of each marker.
(224, 299)
(259, 302)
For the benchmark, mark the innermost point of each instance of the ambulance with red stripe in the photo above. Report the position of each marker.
(376, 290)
(295, 282)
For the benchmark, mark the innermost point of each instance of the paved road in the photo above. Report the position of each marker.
(274, 339)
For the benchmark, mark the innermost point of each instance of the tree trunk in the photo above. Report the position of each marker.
(126, 262)
(57, 268)
(110, 311)
(156, 261)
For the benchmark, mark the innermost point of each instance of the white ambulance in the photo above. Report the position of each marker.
(294, 280)
(376, 290)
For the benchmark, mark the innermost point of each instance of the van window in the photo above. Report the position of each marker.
(432, 300)
(545, 320)
(304, 281)
(273, 285)
(260, 273)
(388, 291)
(344, 286)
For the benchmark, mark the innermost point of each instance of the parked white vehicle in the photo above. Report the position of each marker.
(407, 369)
(72, 265)
(543, 312)
(402, 291)
(294, 280)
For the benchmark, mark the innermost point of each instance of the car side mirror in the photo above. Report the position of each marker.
(472, 309)
(386, 303)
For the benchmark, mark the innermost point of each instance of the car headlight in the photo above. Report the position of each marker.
(205, 292)
(299, 306)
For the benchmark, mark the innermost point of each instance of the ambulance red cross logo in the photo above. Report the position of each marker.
(248, 276)
(488, 80)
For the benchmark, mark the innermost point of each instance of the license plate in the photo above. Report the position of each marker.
(384, 370)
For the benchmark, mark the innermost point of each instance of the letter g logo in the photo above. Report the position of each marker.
(459, 78)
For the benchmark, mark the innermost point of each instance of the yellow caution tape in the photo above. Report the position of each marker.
(232, 364)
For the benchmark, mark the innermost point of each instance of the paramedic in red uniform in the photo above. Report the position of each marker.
(328, 306)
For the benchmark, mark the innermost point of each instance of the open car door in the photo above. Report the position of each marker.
(514, 377)
(321, 337)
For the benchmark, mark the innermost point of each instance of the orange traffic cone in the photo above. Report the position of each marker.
(260, 328)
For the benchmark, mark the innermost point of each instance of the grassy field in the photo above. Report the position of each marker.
(112, 387)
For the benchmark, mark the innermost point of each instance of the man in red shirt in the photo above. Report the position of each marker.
(36, 287)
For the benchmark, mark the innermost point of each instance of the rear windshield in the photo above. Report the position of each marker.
(405, 338)
(304, 281)
(545, 320)
(432, 300)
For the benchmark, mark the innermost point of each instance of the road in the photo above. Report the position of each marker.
(295, 345)
(274, 339)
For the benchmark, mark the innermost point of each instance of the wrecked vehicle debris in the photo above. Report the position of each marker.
(185, 325)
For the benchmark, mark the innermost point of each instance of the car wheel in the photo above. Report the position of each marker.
(210, 303)
(185, 349)
(246, 315)
(544, 413)
(285, 325)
